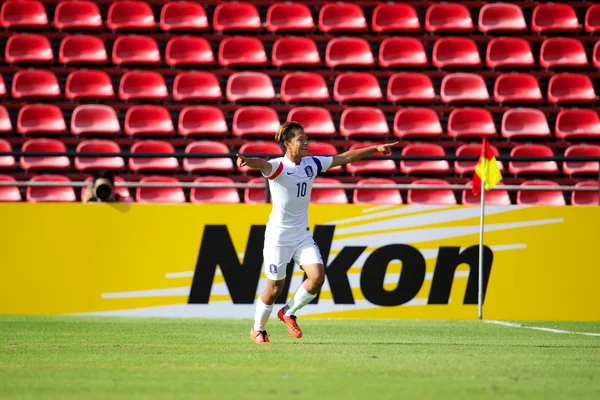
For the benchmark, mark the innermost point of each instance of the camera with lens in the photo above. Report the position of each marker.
(103, 192)
(102, 188)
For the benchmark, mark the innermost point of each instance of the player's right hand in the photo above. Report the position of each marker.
(241, 161)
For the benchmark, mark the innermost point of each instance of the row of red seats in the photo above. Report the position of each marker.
(297, 17)
(166, 163)
(248, 86)
(261, 121)
(343, 52)
(318, 196)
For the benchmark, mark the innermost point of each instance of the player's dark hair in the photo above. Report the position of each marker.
(286, 132)
(104, 175)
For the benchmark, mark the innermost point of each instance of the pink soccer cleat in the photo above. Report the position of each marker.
(259, 337)
(290, 321)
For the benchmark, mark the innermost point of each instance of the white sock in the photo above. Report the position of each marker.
(300, 299)
(263, 312)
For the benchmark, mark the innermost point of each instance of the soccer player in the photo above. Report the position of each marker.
(287, 234)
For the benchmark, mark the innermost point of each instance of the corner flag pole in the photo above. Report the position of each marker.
(480, 275)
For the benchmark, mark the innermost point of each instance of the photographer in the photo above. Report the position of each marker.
(102, 190)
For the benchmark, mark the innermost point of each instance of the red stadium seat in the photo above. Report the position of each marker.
(356, 87)
(255, 195)
(576, 168)
(532, 167)
(501, 17)
(448, 17)
(190, 51)
(95, 119)
(82, 49)
(395, 17)
(250, 86)
(540, 198)
(89, 84)
(23, 14)
(316, 121)
(342, 17)
(410, 87)
(5, 123)
(424, 166)
(183, 16)
(215, 195)
(471, 150)
(463, 87)
(525, 123)
(143, 85)
(207, 164)
(231, 17)
(363, 121)
(159, 194)
(41, 194)
(289, 17)
(509, 52)
(98, 163)
(324, 149)
(242, 51)
(28, 48)
(492, 197)
(45, 119)
(6, 162)
(148, 120)
(196, 85)
(31, 163)
(348, 52)
(135, 49)
(2, 87)
(255, 121)
(370, 166)
(303, 86)
(153, 163)
(35, 83)
(592, 19)
(455, 52)
(130, 15)
(9, 193)
(577, 124)
(564, 53)
(471, 123)
(77, 15)
(431, 196)
(417, 122)
(271, 148)
(554, 17)
(202, 121)
(402, 52)
(295, 52)
(328, 196)
(571, 88)
(585, 198)
(517, 88)
(376, 196)
(596, 55)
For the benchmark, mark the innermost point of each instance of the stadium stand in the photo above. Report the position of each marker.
(222, 76)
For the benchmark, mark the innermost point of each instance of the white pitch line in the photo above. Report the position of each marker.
(539, 328)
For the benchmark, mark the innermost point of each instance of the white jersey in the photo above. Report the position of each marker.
(291, 186)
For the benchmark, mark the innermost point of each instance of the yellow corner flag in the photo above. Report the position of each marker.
(486, 170)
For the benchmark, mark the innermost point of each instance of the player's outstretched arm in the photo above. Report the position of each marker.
(254, 163)
(359, 154)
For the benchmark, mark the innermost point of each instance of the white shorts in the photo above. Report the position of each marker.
(277, 257)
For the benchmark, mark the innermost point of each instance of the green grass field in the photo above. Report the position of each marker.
(93, 358)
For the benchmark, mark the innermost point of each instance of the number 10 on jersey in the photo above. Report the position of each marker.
(301, 189)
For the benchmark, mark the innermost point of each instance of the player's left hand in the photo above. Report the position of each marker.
(386, 149)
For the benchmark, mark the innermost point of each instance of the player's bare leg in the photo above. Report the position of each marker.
(307, 291)
(264, 306)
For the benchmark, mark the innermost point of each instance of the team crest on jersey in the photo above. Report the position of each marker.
(273, 268)
(309, 171)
